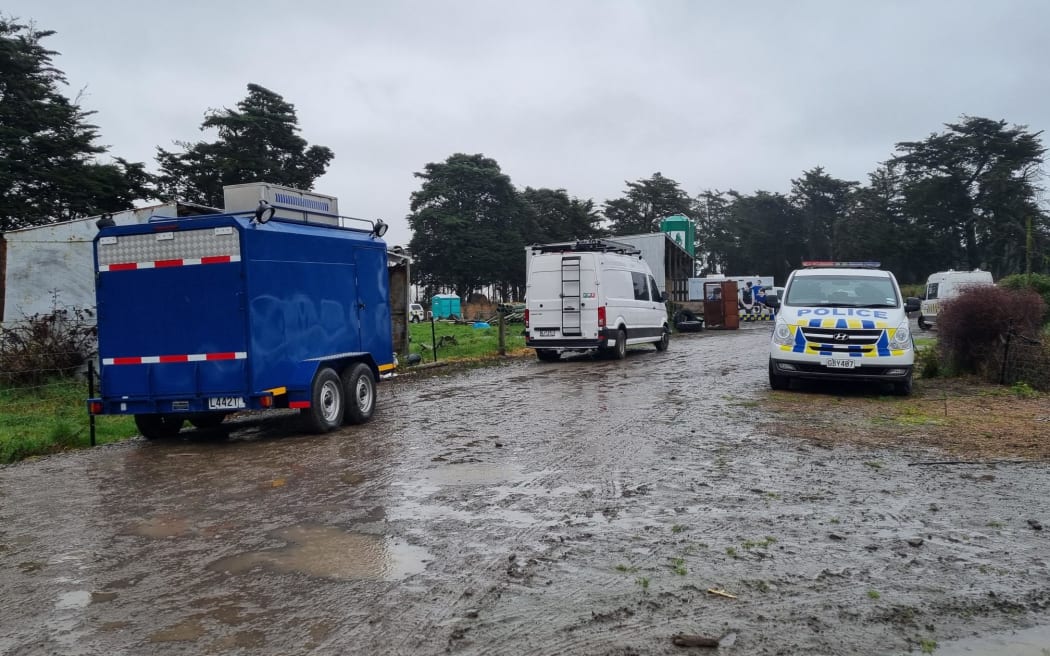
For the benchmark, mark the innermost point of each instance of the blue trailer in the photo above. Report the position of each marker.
(202, 316)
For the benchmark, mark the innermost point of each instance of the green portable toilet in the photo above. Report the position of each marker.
(682, 231)
(445, 305)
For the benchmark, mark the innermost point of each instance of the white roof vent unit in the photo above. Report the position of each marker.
(289, 203)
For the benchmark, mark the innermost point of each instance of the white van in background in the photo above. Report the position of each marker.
(945, 285)
(595, 294)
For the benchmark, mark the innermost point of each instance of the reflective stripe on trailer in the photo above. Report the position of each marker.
(159, 264)
(192, 357)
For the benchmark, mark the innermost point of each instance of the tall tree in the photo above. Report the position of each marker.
(716, 238)
(644, 204)
(972, 188)
(50, 168)
(258, 141)
(553, 216)
(768, 235)
(824, 204)
(466, 225)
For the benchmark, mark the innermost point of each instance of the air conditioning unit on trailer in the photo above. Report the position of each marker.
(289, 203)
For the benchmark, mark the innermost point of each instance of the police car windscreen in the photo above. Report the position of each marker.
(842, 291)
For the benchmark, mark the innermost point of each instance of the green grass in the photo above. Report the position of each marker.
(873, 594)
(469, 343)
(50, 418)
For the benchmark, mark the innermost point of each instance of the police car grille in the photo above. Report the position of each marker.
(841, 339)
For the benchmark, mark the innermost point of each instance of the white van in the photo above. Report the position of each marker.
(944, 285)
(415, 312)
(842, 321)
(594, 294)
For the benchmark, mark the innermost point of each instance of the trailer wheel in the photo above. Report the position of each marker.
(158, 427)
(207, 420)
(360, 390)
(326, 402)
(620, 350)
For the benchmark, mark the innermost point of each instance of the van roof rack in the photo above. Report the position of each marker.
(588, 245)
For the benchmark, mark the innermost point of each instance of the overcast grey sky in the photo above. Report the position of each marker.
(578, 94)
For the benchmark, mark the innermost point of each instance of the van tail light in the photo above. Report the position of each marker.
(601, 316)
(526, 317)
(266, 401)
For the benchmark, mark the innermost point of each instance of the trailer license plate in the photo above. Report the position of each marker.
(546, 332)
(225, 403)
(840, 363)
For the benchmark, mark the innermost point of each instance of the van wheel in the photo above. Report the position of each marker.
(326, 403)
(359, 386)
(548, 355)
(665, 340)
(158, 427)
(777, 381)
(922, 323)
(903, 388)
(620, 350)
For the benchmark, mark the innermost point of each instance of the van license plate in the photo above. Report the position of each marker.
(840, 363)
(546, 332)
(225, 403)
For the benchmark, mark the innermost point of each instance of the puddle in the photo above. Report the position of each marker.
(74, 599)
(327, 552)
(161, 527)
(472, 474)
(1028, 642)
(184, 631)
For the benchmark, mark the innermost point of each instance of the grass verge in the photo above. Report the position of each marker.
(462, 341)
(50, 418)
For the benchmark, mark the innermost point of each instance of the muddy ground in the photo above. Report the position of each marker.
(580, 507)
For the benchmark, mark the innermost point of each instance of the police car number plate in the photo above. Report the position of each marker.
(225, 403)
(840, 363)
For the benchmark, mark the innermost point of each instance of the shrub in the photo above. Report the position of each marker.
(970, 325)
(1037, 282)
(45, 345)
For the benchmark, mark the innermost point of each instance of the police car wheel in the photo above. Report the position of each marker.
(326, 403)
(776, 381)
(360, 391)
(903, 388)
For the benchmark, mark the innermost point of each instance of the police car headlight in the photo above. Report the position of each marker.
(782, 333)
(901, 337)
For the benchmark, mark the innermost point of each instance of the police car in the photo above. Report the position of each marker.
(842, 321)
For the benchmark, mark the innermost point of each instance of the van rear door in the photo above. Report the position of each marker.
(562, 296)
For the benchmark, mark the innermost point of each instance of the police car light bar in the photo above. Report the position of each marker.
(841, 265)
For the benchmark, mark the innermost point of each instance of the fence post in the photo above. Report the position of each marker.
(433, 338)
(1006, 359)
(502, 332)
(91, 395)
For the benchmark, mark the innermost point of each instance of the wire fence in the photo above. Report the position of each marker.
(1022, 359)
